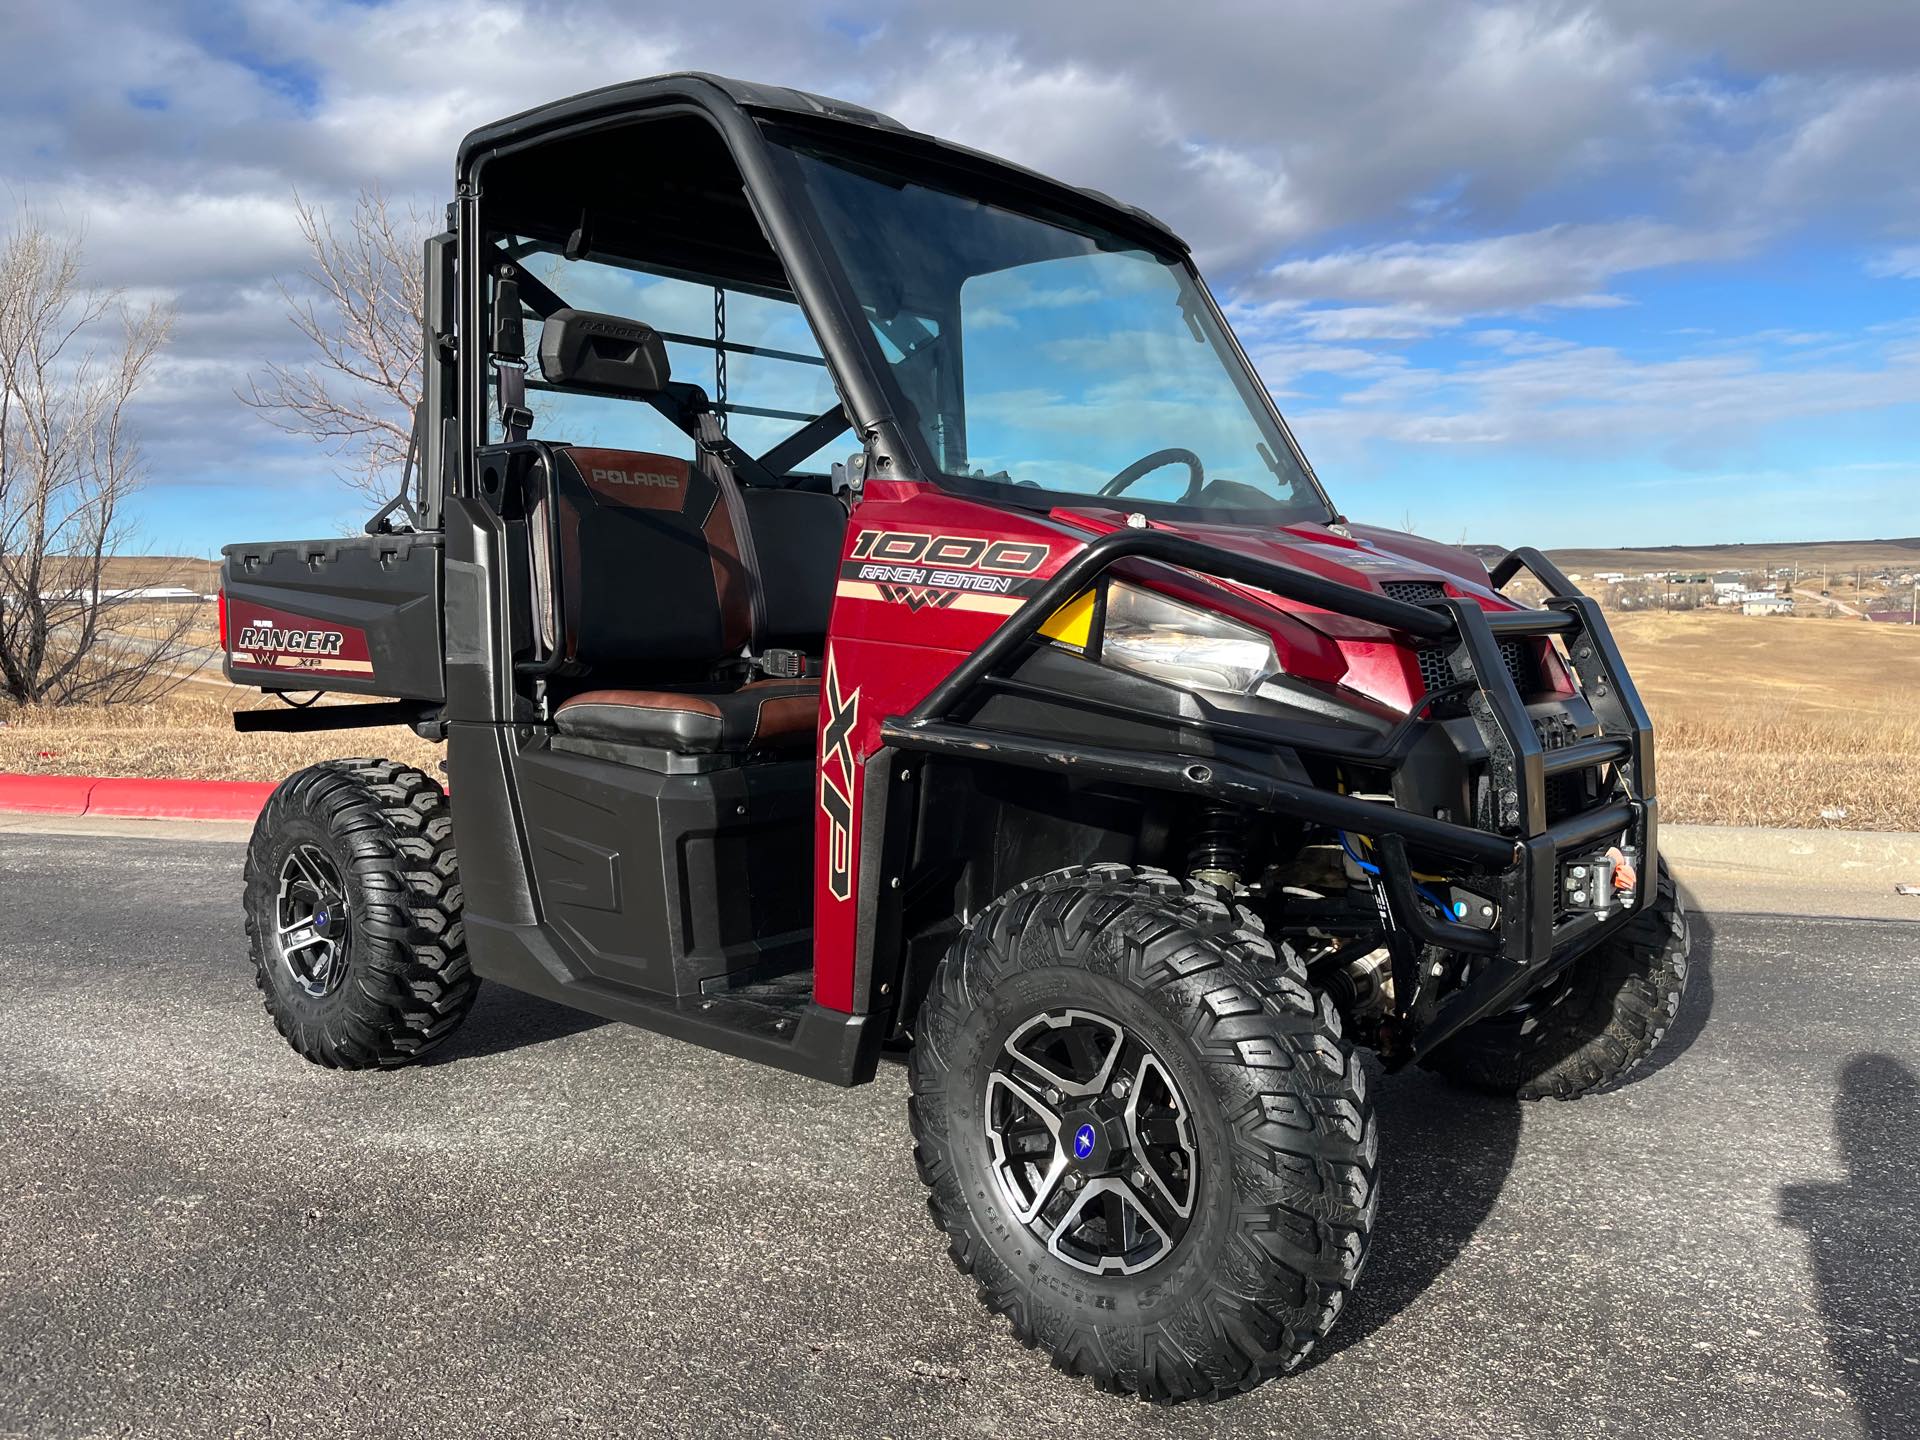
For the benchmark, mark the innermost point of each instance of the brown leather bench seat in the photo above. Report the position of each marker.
(697, 719)
(659, 574)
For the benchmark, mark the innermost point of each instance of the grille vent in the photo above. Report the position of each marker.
(1414, 592)
(1436, 673)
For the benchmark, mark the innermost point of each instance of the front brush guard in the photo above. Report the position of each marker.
(1522, 851)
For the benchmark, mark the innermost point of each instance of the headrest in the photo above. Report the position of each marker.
(607, 353)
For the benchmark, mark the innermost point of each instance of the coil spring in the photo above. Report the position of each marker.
(1216, 852)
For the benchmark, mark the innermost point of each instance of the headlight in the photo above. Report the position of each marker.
(1152, 635)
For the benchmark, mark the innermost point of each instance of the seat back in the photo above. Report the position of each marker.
(651, 567)
(798, 536)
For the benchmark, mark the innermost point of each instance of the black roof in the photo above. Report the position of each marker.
(715, 91)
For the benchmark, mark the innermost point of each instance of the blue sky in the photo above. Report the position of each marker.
(1646, 272)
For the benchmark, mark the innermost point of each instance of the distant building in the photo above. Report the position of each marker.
(1890, 617)
(145, 594)
(1760, 602)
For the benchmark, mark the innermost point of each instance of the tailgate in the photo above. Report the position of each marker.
(358, 615)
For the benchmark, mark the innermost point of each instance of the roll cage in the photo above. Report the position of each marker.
(753, 122)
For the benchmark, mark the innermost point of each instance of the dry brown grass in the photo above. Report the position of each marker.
(1793, 771)
(1760, 722)
(1771, 721)
(188, 734)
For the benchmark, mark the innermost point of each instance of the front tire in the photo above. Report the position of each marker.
(1596, 1025)
(1241, 1105)
(353, 914)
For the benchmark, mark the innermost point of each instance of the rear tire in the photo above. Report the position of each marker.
(353, 914)
(1592, 1029)
(1269, 1103)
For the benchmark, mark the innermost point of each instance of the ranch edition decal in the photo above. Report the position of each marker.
(269, 639)
(942, 572)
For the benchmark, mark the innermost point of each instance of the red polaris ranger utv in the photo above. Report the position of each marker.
(871, 604)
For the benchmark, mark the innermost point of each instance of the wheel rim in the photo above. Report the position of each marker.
(1092, 1142)
(312, 921)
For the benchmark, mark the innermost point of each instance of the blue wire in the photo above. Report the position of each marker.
(1437, 903)
(1425, 894)
(1353, 854)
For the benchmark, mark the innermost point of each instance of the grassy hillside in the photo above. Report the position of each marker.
(1771, 721)
(124, 572)
(1832, 555)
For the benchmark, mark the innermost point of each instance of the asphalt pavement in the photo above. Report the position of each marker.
(564, 1227)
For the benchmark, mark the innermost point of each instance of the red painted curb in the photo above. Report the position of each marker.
(179, 799)
(133, 799)
(46, 794)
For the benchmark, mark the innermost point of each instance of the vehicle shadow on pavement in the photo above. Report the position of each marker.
(504, 1019)
(1861, 1234)
(1445, 1153)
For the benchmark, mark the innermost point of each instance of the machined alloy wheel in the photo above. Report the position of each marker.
(1143, 1132)
(313, 921)
(353, 914)
(1091, 1142)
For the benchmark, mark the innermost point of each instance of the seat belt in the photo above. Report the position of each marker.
(713, 459)
(510, 383)
(508, 347)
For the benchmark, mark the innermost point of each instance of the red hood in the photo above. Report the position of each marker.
(1320, 644)
(1363, 558)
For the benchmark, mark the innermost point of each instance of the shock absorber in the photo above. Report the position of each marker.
(1216, 853)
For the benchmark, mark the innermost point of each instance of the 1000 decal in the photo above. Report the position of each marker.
(921, 570)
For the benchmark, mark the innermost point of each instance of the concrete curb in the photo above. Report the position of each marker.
(1795, 872)
(76, 795)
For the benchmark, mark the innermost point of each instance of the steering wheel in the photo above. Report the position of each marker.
(1147, 464)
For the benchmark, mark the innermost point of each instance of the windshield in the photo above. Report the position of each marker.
(1048, 361)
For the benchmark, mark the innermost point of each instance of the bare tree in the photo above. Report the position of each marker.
(363, 315)
(69, 462)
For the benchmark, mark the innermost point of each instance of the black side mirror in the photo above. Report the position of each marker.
(606, 353)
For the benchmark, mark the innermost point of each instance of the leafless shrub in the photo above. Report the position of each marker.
(69, 461)
(363, 317)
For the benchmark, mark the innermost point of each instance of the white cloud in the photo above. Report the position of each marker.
(1280, 364)
(1596, 397)
(148, 235)
(1103, 128)
(1559, 265)
(401, 83)
(1901, 263)
(1373, 322)
(1521, 342)
(1855, 147)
